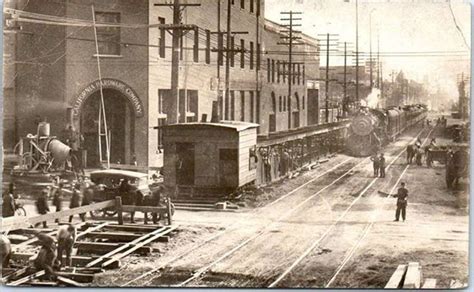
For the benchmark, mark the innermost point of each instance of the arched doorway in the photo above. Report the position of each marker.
(120, 122)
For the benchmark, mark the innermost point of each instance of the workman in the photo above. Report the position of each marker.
(8, 207)
(382, 165)
(402, 199)
(376, 163)
(42, 204)
(76, 201)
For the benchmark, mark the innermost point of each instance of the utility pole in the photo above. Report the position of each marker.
(290, 42)
(357, 51)
(227, 57)
(177, 30)
(378, 62)
(327, 78)
(344, 106)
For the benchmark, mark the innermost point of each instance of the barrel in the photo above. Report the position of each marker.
(59, 151)
(43, 129)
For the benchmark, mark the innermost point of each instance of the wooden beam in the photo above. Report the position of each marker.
(149, 209)
(134, 227)
(27, 278)
(70, 282)
(125, 246)
(13, 223)
(91, 229)
(413, 276)
(120, 236)
(430, 283)
(105, 248)
(77, 261)
(139, 245)
(396, 280)
(80, 277)
(118, 207)
(15, 274)
(51, 233)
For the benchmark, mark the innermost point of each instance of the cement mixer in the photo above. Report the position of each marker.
(42, 152)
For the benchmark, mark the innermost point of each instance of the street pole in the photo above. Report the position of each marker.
(370, 50)
(378, 61)
(327, 79)
(227, 57)
(290, 65)
(357, 51)
(345, 78)
(174, 113)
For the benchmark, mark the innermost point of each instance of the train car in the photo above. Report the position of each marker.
(370, 129)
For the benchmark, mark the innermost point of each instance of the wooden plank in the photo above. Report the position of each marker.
(396, 280)
(413, 276)
(92, 229)
(138, 246)
(12, 223)
(80, 277)
(70, 282)
(118, 208)
(455, 284)
(15, 274)
(27, 278)
(121, 236)
(131, 208)
(77, 261)
(52, 233)
(134, 228)
(124, 246)
(430, 283)
(105, 247)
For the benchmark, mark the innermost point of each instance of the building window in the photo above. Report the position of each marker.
(220, 49)
(181, 48)
(257, 108)
(251, 56)
(232, 105)
(242, 54)
(232, 55)
(274, 105)
(242, 4)
(304, 77)
(162, 40)
(108, 38)
(289, 103)
(196, 46)
(284, 72)
(284, 103)
(259, 51)
(252, 6)
(302, 99)
(268, 70)
(297, 101)
(299, 74)
(252, 106)
(293, 73)
(278, 71)
(208, 46)
(280, 104)
(273, 70)
(242, 106)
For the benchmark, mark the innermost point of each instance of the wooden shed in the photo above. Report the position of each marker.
(209, 158)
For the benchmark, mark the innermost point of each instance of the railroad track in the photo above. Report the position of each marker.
(330, 238)
(205, 268)
(255, 213)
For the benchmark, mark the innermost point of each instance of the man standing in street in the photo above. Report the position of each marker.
(402, 199)
(42, 205)
(375, 161)
(382, 165)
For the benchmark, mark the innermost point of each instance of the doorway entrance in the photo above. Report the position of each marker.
(120, 123)
(185, 164)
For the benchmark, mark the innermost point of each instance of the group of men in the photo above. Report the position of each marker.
(378, 162)
(50, 256)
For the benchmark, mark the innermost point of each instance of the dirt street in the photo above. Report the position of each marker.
(330, 225)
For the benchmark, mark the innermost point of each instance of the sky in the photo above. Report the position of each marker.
(410, 27)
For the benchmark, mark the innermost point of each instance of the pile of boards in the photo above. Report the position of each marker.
(411, 277)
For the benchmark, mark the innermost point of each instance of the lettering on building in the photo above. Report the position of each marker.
(109, 84)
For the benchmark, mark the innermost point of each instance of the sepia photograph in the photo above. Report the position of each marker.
(319, 144)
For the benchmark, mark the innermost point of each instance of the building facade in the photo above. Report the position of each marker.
(54, 72)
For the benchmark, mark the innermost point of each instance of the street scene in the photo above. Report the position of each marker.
(236, 144)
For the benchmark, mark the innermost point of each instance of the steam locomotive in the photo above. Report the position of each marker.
(370, 128)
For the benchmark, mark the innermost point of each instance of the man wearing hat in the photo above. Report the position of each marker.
(402, 200)
(42, 204)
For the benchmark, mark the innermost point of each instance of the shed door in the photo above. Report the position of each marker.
(228, 167)
(185, 164)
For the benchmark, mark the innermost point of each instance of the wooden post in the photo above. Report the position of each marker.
(118, 207)
(168, 207)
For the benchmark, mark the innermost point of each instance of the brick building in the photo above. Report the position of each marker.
(56, 72)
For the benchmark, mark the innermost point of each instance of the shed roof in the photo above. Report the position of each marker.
(236, 125)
